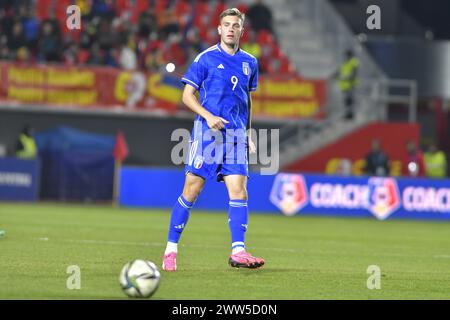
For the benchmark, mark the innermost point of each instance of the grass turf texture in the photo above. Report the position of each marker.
(306, 257)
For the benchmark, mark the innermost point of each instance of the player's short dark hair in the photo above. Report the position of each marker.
(232, 12)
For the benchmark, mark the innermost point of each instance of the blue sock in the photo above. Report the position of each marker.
(179, 219)
(238, 220)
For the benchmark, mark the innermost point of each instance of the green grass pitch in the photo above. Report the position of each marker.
(306, 257)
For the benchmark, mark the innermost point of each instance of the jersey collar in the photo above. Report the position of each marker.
(219, 46)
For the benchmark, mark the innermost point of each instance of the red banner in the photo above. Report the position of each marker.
(116, 90)
(347, 154)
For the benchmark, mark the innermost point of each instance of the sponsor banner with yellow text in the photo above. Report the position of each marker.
(109, 88)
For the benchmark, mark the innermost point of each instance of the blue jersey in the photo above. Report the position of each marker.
(224, 82)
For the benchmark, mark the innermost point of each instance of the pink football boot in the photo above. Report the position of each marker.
(244, 259)
(170, 262)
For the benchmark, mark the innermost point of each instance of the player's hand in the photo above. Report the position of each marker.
(251, 146)
(216, 123)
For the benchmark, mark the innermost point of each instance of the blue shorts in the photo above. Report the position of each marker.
(217, 153)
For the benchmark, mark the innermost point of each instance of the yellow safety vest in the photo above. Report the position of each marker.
(29, 147)
(347, 68)
(435, 164)
(254, 49)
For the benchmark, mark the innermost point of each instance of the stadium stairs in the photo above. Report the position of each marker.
(314, 36)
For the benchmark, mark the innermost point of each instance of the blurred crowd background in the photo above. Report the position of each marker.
(133, 35)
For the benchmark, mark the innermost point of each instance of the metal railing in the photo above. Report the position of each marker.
(409, 97)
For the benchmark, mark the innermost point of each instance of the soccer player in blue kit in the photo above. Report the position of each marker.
(224, 75)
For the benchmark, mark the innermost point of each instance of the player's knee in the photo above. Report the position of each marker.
(192, 191)
(238, 194)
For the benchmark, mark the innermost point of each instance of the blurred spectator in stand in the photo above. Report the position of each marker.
(6, 20)
(85, 7)
(4, 4)
(5, 53)
(111, 58)
(88, 32)
(106, 37)
(435, 162)
(414, 166)
(260, 17)
(193, 45)
(102, 8)
(173, 51)
(348, 80)
(49, 43)
(167, 23)
(127, 54)
(153, 59)
(147, 24)
(252, 46)
(30, 26)
(70, 55)
(135, 86)
(377, 162)
(193, 42)
(53, 20)
(95, 55)
(191, 54)
(23, 55)
(26, 145)
(17, 39)
(157, 39)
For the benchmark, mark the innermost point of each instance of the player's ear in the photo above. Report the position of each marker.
(242, 32)
(219, 30)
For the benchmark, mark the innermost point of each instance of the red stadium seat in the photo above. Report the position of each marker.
(221, 6)
(155, 45)
(42, 8)
(215, 19)
(286, 66)
(121, 6)
(139, 7)
(182, 8)
(277, 52)
(245, 36)
(213, 37)
(203, 33)
(265, 37)
(242, 8)
(201, 15)
(83, 56)
(160, 6)
(214, 22)
(201, 8)
(271, 66)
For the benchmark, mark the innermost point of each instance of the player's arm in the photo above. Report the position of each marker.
(251, 145)
(190, 100)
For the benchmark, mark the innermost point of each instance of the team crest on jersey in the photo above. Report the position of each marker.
(246, 68)
(198, 162)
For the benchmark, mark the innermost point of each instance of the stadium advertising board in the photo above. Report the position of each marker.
(110, 89)
(293, 194)
(19, 179)
(380, 197)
